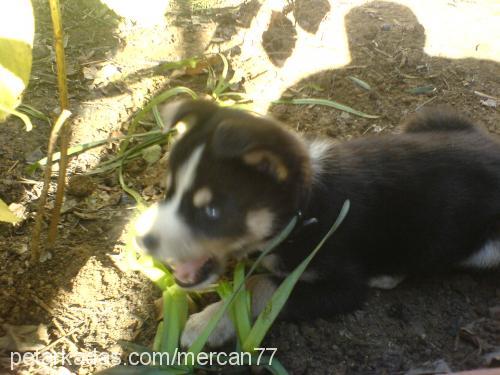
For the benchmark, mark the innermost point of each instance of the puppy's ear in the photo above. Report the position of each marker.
(188, 111)
(259, 143)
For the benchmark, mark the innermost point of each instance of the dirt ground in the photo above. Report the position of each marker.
(83, 292)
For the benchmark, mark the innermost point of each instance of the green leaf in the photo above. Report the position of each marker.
(275, 367)
(422, 90)
(325, 102)
(160, 98)
(16, 41)
(6, 215)
(186, 63)
(158, 119)
(82, 147)
(222, 83)
(33, 112)
(281, 295)
(158, 337)
(152, 154)
(201, 340)
(241, 307)
(175, 312)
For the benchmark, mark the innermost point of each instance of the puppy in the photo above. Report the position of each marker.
(426, 200)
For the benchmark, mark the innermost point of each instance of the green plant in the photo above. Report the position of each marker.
(237, 303)
(16, 41)
(235, 296)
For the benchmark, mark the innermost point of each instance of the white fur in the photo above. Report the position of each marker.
(260, 223)
(163, 220)
(319, 150)
(224, 331)
(202, 197)
(385, 281)
(262, 288)
(487, 257)
(168, 181)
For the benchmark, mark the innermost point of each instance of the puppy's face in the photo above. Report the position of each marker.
(234, 180)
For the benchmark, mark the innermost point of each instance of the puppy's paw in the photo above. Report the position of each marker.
(223, 332)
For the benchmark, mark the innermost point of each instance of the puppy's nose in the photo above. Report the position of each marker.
(149, 242)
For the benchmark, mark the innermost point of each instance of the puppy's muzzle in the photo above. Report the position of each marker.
(193, 273)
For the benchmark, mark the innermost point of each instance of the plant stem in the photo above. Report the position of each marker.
(35, 239)
(66, 130)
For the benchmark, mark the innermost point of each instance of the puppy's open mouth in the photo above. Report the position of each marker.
(193, 273)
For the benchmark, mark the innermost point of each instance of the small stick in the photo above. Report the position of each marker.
(51, 312)
(58, 340)
(43, 305)
(483, 95)
(65, 335)
(424, 103)
(13, 166)
(35, 239)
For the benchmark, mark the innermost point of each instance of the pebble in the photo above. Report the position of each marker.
(81, 186)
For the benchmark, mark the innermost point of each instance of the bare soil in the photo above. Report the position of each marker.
(83, 292)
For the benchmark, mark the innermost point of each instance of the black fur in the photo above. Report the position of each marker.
(421, 201)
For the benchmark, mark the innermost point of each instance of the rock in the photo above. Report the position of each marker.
(81, 186)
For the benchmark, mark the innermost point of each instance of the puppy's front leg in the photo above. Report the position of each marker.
(223, 332)
(261, 288)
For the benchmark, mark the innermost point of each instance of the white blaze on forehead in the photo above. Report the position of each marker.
(145, 223)
(165, 222)
(187, 172)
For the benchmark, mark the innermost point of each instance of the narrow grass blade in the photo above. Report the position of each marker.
(158, 119)
(33, 112)
(175, 311)
(153, 102)
(241, 305)
(22, 116)
(422, 90)
(158, 337)
(90, 145)
(279, 298)
(239, 311)
(171, 65)
(201, 340)
(325, 102)
(360, 83)
(134, 194)
(133, 153)
(222, 83)
(275, 367)
(137, 150)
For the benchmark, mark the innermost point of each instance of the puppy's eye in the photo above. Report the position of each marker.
(212, 212)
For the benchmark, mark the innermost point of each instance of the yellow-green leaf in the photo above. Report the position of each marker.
(6, 215)
(16, 41)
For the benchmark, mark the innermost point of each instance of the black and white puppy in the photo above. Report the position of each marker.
(426, 200)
